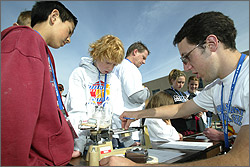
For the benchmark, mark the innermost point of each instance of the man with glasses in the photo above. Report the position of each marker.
(206, 43)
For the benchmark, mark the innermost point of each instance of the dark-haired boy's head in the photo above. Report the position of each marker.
(54, 22)
(41, 10)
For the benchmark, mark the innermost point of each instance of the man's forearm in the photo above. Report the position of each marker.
(163, 112)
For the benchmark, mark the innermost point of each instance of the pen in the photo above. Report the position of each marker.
(129, 118)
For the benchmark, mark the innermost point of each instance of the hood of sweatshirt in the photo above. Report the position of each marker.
(87, 63)
(17, 36)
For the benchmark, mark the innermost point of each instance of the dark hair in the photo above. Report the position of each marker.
(41, 10)
(197, 28)
(24, 18)
(137, 45)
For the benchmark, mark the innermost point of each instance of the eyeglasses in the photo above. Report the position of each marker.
(185, 58)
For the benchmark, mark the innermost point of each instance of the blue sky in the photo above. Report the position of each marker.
(155, 23)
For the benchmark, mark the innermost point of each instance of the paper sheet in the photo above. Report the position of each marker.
(163, 155)
(186, 145)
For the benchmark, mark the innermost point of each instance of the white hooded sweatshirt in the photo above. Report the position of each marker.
(84, 85)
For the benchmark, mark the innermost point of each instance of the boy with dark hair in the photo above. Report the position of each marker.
(34, 130)
(42, 9)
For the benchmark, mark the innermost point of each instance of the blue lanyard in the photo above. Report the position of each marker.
(182, 97)
(59, 99)
(225, 124)
(104, 93)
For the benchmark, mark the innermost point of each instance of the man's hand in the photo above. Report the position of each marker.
(214, 134)
(136, 144)
(127, 117)
(117, 161)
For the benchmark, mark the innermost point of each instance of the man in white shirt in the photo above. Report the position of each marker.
(206, 43)
(133, 92)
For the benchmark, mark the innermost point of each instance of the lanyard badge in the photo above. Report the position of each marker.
(181, 96)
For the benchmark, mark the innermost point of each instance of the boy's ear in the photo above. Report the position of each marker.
(54, 15)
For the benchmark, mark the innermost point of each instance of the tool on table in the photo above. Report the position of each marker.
(102, 141)
(101, 134)
(137, 154)
(102, 147)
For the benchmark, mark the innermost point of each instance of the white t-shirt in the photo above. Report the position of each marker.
(131, 82)
(210, 98)
(159, 131)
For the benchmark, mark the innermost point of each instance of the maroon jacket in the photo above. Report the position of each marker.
(34, 131)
